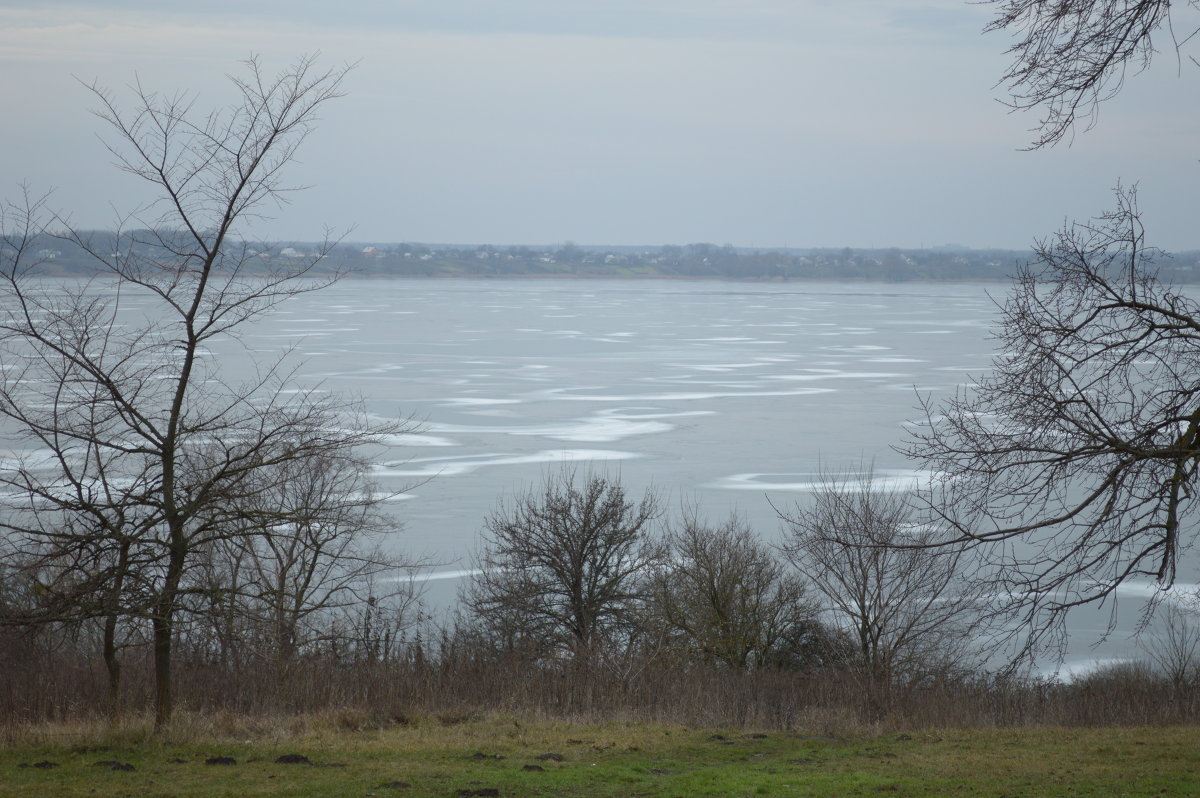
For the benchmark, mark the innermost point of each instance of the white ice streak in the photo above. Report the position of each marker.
(733, 340)
(857, 348)
(606, 427)
(560, 394)
(30, 460)
(312, 334)
(416, 439)
(1185, 595)
(834, 374)
(652, 412)
(477, 401)
(457, 466)
(593, 430)
(321, 331)
(437, 576)
(885, 481)
(722, 367)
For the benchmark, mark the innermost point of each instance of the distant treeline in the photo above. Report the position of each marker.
(570, 260)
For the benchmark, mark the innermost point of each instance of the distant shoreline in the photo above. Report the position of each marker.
(675, 278)
(61, 257)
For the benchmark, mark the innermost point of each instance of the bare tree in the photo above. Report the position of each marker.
(905, 603)
(135, 454)
(562, 568)
(726, 596)
(1071, 466)
(1176, 650)
(1071, 55)
(308, 557)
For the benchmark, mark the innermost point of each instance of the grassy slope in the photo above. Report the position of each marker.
(624, 760)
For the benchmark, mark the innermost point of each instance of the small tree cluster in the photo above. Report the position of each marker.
(575, 571)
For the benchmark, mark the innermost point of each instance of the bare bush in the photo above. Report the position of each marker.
(903, 603)
(562, 567)
(315, 575)
(1175, 650)
(723, 595)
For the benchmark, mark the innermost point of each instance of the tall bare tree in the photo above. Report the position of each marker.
(1072, 465)
(1072, 55)
(1077, 455)
(565, 564)
(135, 452)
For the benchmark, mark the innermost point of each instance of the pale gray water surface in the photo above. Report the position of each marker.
(735, 395)
(728, 393)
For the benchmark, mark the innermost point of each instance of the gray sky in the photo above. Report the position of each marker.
(865, 123)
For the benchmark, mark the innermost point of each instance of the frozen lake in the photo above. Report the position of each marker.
(725, 393)
(734, 396)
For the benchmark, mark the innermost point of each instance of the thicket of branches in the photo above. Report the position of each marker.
(1069, 56)
(708, 625)
(1070, 467)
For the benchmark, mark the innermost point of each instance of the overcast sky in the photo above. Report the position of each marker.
(829, 123)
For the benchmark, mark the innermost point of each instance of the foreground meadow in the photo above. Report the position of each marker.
(507, 757)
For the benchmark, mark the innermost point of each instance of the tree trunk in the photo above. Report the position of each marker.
(164, 630)
(163, 633)
(112, 659)
(112, 662)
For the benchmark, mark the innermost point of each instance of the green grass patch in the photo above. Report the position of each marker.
(506, 757)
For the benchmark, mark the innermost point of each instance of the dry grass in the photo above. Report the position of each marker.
(60, 698)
